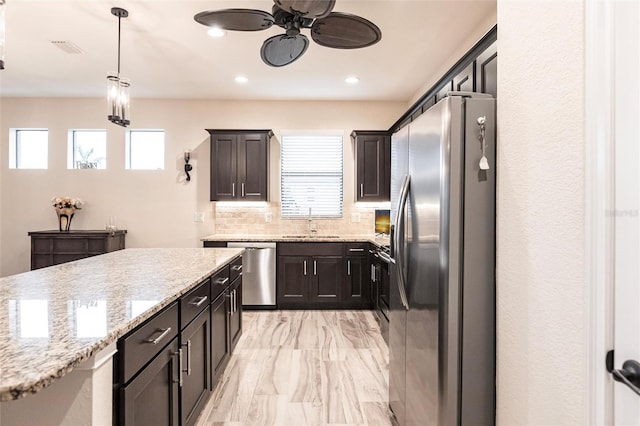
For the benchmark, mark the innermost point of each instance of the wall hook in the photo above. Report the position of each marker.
(187, 167)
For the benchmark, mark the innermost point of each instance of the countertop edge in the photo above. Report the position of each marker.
(9, 393)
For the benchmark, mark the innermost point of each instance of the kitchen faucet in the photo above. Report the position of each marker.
(312, 228)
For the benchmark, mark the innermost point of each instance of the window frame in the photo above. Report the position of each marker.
(71, 149)
(14, 150)
(310, 134)
(128, 156)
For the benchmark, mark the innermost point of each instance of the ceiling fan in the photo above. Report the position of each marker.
(328, 28)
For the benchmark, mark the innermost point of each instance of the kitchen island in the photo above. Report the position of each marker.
(56, 320)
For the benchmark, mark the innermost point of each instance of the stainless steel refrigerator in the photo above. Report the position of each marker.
(442, 295)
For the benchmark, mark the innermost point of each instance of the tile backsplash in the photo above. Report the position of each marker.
(232, 219)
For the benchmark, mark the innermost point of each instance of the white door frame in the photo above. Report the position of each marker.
(599, 204)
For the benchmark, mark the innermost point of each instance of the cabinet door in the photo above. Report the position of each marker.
(464, 81)
(357, 286)
(196, 373)
(487, 71)
(224, 152)
(293, 280)
(373, 166)
(326, 279)
(253, 161)
(220, 349)
(235, 322)
(152, 397)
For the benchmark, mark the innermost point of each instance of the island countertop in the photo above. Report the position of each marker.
(53, 319)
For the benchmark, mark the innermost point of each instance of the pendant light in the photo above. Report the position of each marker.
(118, 87)
(2, 33)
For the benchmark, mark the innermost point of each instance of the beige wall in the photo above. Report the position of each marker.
(156, 207)
(540, 198)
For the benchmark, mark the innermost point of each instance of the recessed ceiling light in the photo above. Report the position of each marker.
(241, 79)
(216, 32)
(352, 79)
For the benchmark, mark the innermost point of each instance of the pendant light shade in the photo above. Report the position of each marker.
(118, 87)
(2, 33)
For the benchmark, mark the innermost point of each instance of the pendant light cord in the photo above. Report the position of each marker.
(119, 19)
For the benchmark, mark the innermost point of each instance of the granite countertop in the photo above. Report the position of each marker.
(379, 240)
(53, 319)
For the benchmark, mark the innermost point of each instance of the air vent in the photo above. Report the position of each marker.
(67, 46)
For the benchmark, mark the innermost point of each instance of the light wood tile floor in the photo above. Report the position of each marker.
(304, 368)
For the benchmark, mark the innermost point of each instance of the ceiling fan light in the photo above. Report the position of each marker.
(352, 79)
(241, 79)
(216, 32)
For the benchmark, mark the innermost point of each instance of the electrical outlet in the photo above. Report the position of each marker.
(268, 217)
(198, 217)
(355, 217)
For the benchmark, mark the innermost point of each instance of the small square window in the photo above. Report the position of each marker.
(87, 149)
(28, 148)
(145, 150)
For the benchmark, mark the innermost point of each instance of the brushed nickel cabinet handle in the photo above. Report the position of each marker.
(356, 249)
(163, 334)
(188, 346)
(304, 264)
(233, 189)
(349, 267)
(361, 190)
(200, 301)
(236, 268)
(242, 189)
(315, 271)
(222, 281)
(179, 354)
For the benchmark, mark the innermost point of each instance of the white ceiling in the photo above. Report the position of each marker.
(166, 54)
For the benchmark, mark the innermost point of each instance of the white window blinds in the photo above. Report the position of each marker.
(311, 176)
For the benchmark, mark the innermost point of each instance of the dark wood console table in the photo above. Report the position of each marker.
(55, 247)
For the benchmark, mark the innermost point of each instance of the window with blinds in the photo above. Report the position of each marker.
(311, 176)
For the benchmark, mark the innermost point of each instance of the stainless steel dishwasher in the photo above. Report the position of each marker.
(258, 274)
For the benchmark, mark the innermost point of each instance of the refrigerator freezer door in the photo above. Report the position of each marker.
(429, 166)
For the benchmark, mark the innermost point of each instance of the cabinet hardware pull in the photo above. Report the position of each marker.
(349, 267)
(200, 301)
(179, 381)
(233, 189)
(361, 190)
(236, 267)
(188, 346)
(222, 281)
(373, 274)
(233, 303)
(304, 263)
(315, 272)
(163, 334)
(230, 297)
(242, 189)
(356, 249)
(235, 300)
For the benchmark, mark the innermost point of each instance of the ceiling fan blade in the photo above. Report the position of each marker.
(345, 31)
(307, 8)
(281, 50)
(236, 19)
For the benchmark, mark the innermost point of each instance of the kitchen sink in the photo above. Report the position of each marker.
(310, 236)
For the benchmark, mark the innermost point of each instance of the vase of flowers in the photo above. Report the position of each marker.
(65, 209)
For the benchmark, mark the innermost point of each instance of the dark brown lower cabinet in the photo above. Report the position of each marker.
(309, 275)
(235, 320)
(357, 288)
(220, 347)
(196, 369)
(152, 397)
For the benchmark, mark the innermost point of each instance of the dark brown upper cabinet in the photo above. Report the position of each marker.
(239, 164)
(373, 165)
(487, 71)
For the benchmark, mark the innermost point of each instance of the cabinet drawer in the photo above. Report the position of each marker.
(236, 269)
(356, 249)
(70, 245)
(143, 343)
(310, 249)
(192, 303)
(219, 281)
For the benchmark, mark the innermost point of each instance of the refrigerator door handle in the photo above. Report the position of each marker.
(402, 203)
